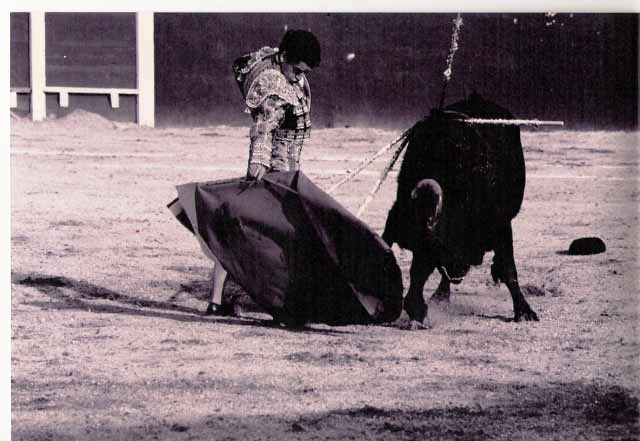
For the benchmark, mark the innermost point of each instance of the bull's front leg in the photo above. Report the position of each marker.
(414, 304)
(504, 269)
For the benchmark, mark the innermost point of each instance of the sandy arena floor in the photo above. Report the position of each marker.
(108, 340)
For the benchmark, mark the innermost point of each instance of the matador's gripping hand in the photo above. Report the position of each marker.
(255, 172)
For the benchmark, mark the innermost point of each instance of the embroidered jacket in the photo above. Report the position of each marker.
(279, 108)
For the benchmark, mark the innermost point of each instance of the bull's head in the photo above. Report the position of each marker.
(426, 202)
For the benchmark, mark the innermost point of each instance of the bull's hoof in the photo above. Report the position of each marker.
(418, 314)
(416, 309)
(527, 316)
(415, 325)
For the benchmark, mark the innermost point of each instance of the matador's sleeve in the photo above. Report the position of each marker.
(267, 98)
(267, 118)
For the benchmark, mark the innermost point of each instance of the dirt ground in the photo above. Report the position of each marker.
(108, 289)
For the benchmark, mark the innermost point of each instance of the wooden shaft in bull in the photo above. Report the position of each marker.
(511, 122)
(367, 162)
(383, 176)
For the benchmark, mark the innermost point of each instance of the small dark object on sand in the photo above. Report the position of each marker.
(587, 245)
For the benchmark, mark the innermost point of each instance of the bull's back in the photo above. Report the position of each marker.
(505, 151)
(479, 167)
(462, 156)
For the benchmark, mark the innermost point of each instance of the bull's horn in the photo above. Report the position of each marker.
(428, 190)
(428, 194)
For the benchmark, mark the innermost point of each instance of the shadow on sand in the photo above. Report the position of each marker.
(57, 287)
(495, 317)
(588, 411)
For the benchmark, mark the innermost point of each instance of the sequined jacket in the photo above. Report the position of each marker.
(279, 108)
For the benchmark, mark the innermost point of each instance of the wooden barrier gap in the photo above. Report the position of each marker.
(114, 93)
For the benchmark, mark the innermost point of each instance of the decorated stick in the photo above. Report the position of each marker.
(457, 24)
(383, 176)
(366, 162)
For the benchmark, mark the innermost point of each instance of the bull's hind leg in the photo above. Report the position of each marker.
(414, 303)
(443, 292)
(504, 269)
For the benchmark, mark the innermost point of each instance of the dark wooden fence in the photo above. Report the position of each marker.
(580, 68)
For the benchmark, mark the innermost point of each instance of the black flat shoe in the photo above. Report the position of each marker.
(225, 310)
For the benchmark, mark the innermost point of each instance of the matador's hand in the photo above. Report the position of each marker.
(256, 172)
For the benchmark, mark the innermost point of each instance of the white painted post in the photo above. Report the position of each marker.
(63, 98)
(145, 68)
(13, 100)
(115, 100)
(38, 73)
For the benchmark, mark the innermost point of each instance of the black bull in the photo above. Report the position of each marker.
(459, 187)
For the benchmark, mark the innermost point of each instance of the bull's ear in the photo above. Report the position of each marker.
(414, 194)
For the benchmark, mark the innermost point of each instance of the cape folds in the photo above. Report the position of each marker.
(297, 252)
